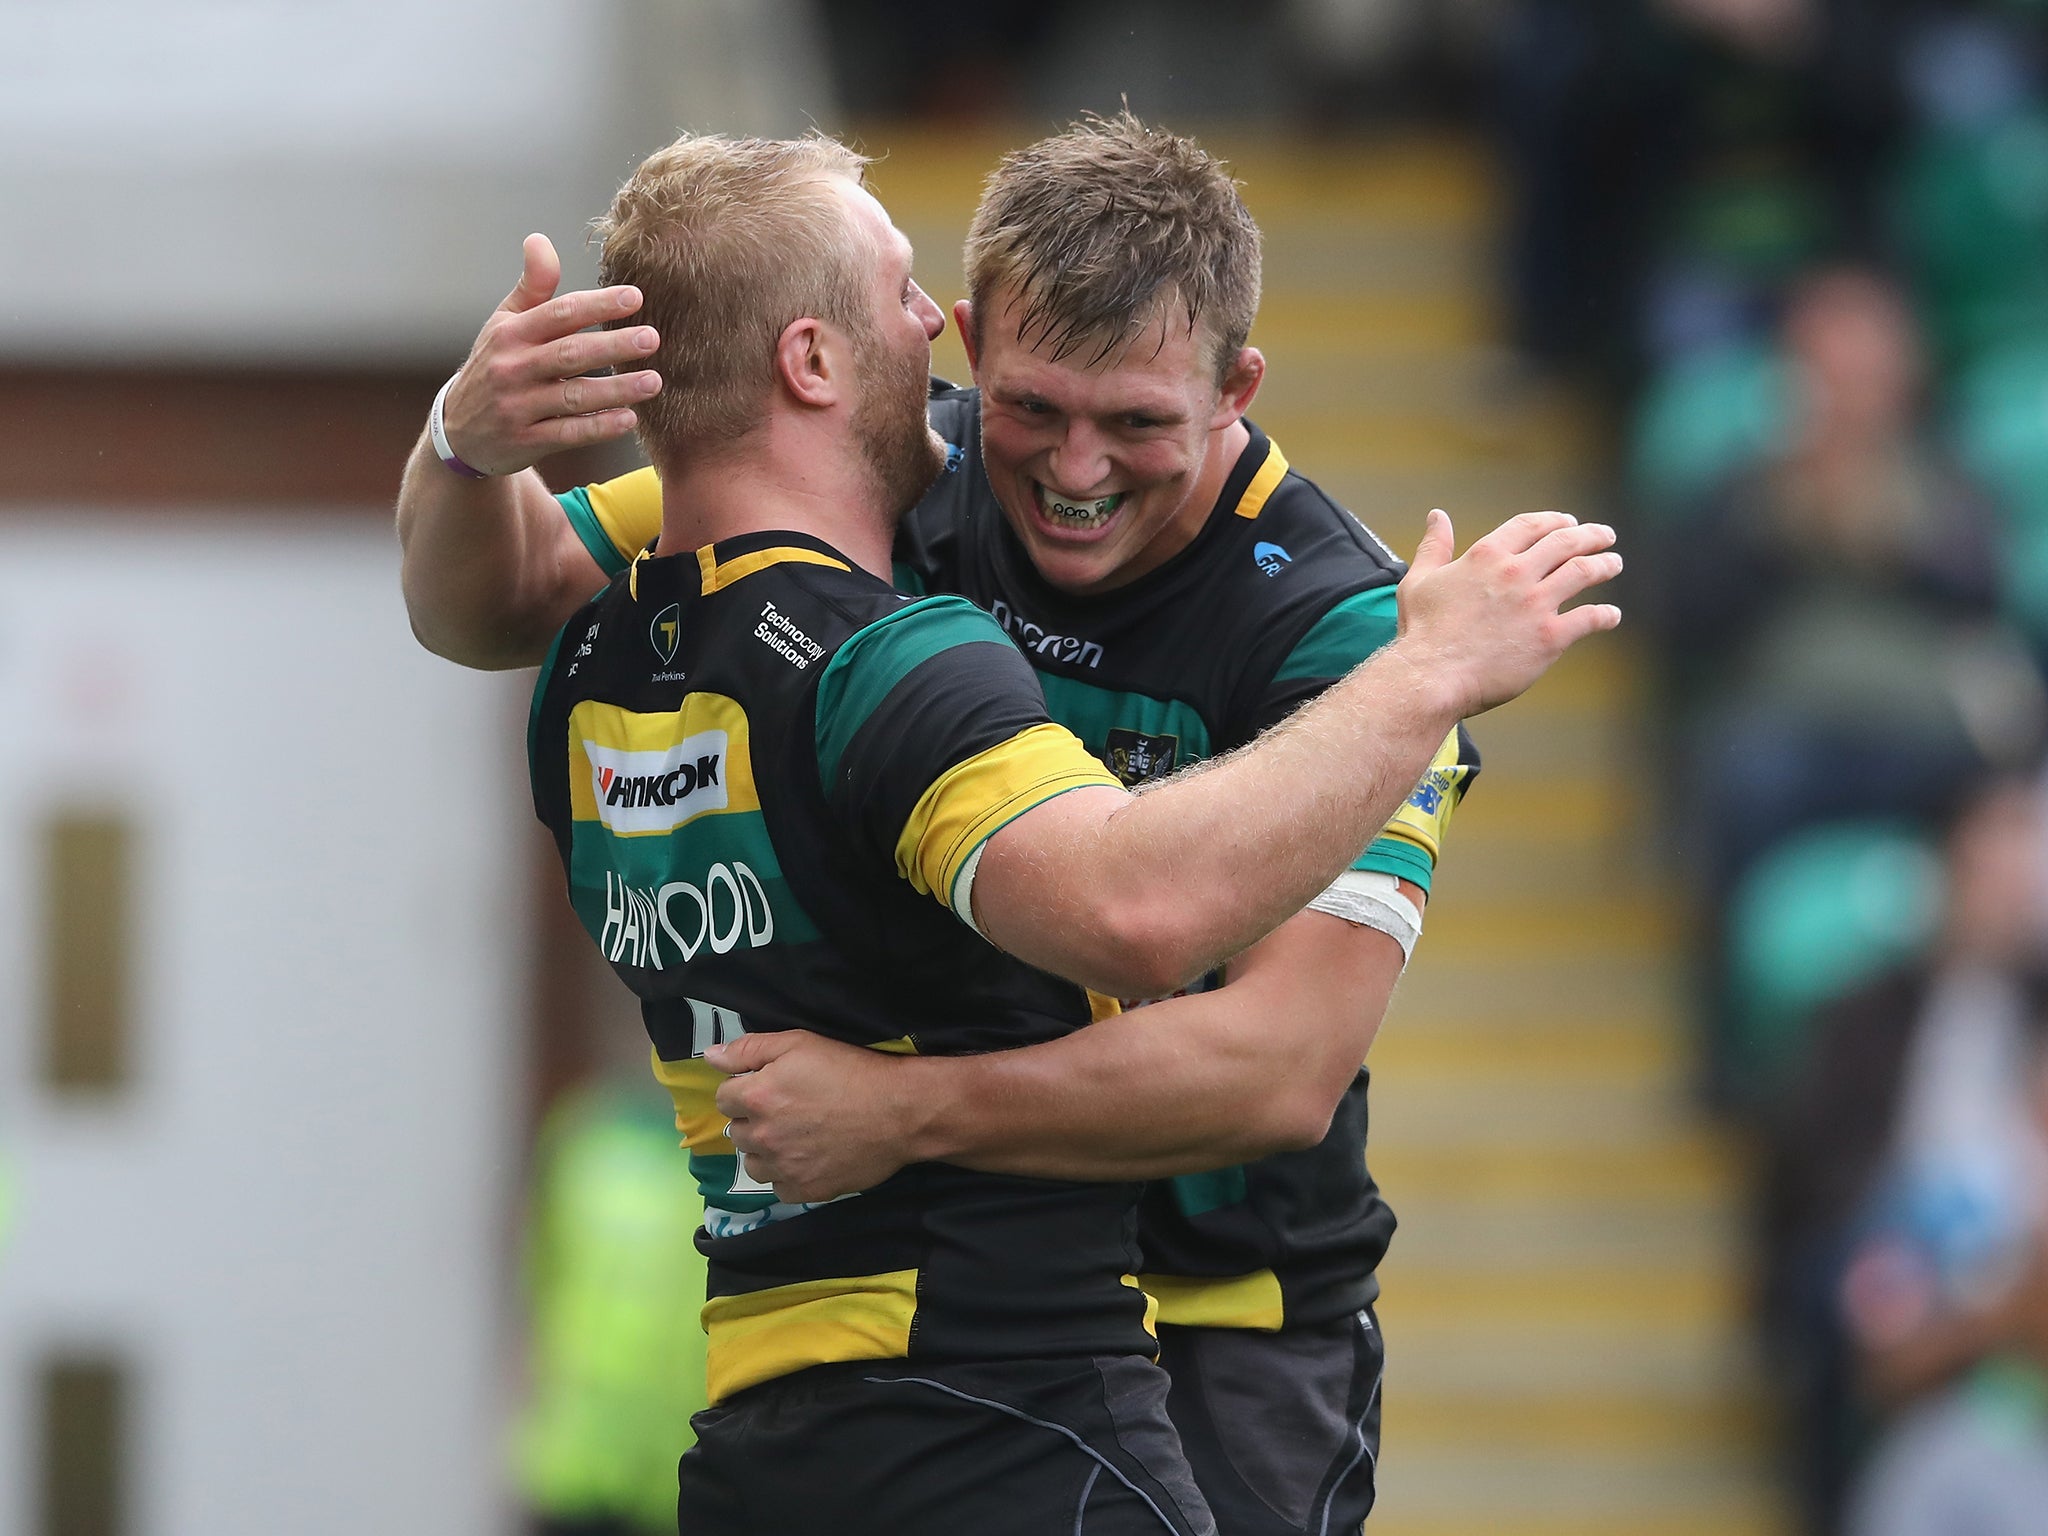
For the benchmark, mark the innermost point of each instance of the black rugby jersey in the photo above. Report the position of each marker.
(1279, 595)
(765, 772)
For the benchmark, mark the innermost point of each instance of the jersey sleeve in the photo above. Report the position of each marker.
(932, 736)
(1351, 631)
(615, 519)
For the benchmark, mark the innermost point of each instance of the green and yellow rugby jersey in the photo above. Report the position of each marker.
(767, 773)
(1281, 594)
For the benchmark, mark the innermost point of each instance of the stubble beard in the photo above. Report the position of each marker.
(905, 457)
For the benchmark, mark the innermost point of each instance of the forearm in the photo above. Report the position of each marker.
(1252, 1068)
(481, 563)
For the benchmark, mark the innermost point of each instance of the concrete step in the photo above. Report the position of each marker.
(1565, 1251)
(1568, 1424)
(1534, 1052)
(1694, 1167)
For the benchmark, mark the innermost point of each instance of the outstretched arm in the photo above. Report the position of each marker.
(1134, 895)
(491, 568)
(1255, 1067)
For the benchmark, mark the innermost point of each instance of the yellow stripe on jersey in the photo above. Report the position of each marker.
(628, 509)
(1263, 485)
(764, 1334)
(973, 800)
(692, 1085)
(606, 741)
(1240, 1301)
(1101, 1007)
(1426, 814)
(719, 576)
(1151, 1304)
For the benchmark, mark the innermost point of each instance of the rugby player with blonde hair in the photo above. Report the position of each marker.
(1179, 591)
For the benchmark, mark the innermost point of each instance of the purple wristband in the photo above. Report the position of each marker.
(439, 436)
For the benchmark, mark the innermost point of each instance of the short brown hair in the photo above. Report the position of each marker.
(728, 241)
(1101, 231)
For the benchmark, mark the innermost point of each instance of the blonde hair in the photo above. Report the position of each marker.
(1098, 233)
(728, 241)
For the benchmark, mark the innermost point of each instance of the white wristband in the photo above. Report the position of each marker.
(438, 435)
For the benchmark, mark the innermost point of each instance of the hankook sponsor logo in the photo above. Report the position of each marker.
(658, 791)
(655, 927)
(1038, 641)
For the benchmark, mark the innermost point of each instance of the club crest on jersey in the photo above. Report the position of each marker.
(1271, 558)
(1136, 758)
(666, 630)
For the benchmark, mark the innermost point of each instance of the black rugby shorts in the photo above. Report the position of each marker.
(900, 1448)
(1282, 1429)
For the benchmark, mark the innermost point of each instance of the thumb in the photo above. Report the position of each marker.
(749, 1053)
(1439, 544)
(539, 277)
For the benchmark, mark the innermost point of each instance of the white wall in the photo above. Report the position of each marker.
(296, 1223)
(340, 180)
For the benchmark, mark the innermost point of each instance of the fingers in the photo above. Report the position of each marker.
(749, 1053)
(1574, 624)
(1577, 575)
(1520, 534)
(1439, 543)
(572, 312)
(582, 352)
(1563, 544)
(540, 274)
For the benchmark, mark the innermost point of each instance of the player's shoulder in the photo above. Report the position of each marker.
(1299, 524)
(1286, 552)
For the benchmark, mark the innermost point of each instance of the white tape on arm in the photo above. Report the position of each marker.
(963, 889)
(1374, 900)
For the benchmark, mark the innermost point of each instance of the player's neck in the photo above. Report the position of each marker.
(784, 476)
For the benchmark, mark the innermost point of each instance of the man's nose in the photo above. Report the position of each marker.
(1081, 461)
(933, 317)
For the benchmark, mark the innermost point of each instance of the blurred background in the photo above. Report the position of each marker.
(333, 1194)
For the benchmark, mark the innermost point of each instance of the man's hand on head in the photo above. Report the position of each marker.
(1488, 623)
(523, 394)
(815, 1117)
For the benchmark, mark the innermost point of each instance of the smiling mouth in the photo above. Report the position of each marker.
(1080, 516)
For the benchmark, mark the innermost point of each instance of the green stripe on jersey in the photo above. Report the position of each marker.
(866, 669)
(1197, 1194)
(1398, 857)
(1343, 637)
(576, 507)
(540, 689)
(1091, 712)
(656, 901)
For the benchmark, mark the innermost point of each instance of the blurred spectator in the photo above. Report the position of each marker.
(1946, 1297)
(1674, 164)
(1830, 615)
(615, 1284)
(1905, 1171)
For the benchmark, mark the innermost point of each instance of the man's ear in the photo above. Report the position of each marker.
(963, 326)
(1240, 383)
(811, 363)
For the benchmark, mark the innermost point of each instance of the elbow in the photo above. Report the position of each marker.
(1295, 1120)
(1144, 949)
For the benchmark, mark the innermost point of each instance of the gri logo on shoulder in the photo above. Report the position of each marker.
(1271, 558)
(1034, 639)
(658, 791)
